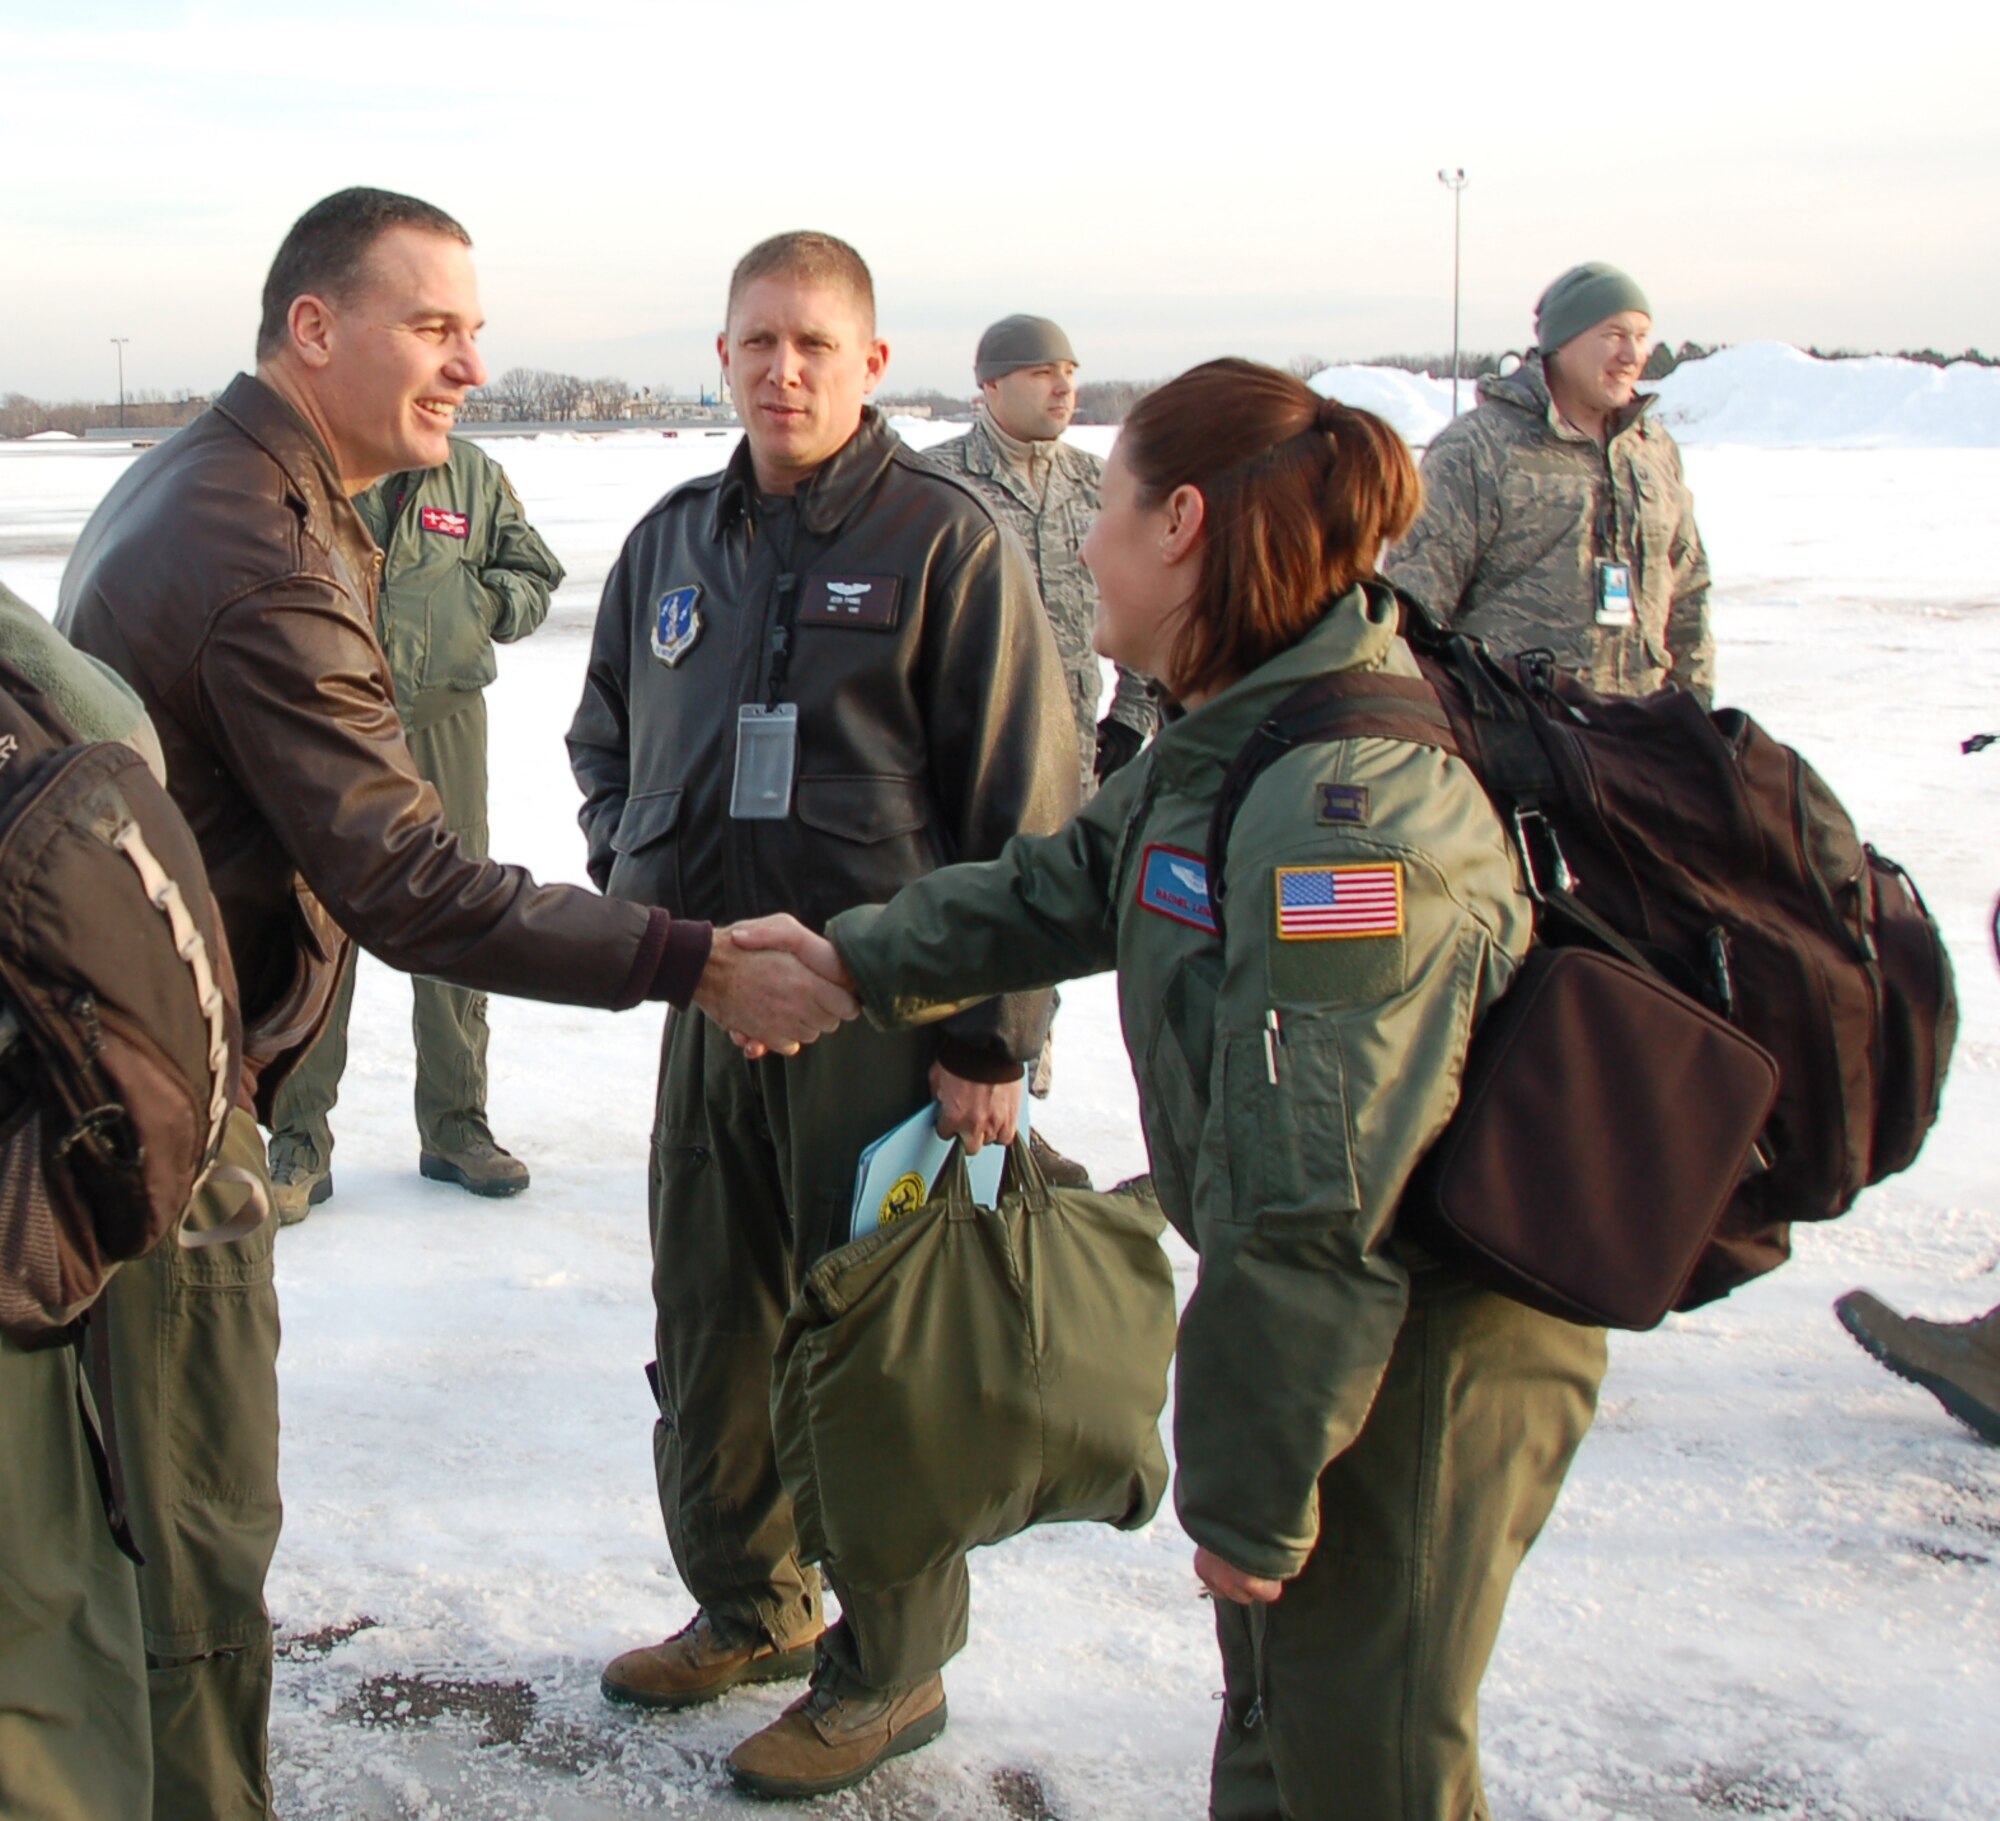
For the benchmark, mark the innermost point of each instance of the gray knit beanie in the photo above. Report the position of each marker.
(1581, 299)
(1019, 341)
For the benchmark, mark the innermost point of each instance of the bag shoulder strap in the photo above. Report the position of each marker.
(1339, 705)
(1465, 704)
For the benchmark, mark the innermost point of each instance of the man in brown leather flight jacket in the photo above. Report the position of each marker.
(228, 579)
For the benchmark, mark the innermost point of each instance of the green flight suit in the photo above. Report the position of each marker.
(100, 1667)
(934, 723)
(462, 567)
(200, 1451)
(732, 1138)
(74, 1744)
(1351, 1416)
(77, 1741)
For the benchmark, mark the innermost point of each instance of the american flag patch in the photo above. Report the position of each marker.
(452, 524)
(1315, 902)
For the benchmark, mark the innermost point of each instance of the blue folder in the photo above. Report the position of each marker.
(898, 1173)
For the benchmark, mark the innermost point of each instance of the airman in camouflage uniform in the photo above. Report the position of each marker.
(1045, 490)
(1556, 482)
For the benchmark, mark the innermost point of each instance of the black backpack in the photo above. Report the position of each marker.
(1728, 908)
(120, 1042)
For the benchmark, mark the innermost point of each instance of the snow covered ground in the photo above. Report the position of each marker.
(1772, 1587)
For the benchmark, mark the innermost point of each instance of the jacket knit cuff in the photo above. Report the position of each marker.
(684, 958)
(969, 1063)
(672, 954)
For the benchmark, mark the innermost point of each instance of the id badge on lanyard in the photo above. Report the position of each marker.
(1614, 594)
(767, 750)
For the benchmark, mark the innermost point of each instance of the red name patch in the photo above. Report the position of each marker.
(452, 524)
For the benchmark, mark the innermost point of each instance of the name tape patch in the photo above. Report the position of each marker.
(450, 524)
(677, 624)
(1316, 903)
(1175, 884)
(864, 601)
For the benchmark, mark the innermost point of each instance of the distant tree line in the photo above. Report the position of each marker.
(1476, 363)
(1662, 361)
(925, 401)
(1929, 357)
(536, 395)
(1098, 401)
(21, 415)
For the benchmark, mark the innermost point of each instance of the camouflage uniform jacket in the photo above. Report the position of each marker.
(1519, 508)
(1050, 514)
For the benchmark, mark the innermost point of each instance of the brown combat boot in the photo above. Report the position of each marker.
(296, 1189)
(1958, 1363)
(698, 1663)
(480, 1168)
(835, 1735)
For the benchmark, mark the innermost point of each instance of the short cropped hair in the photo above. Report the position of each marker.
(809, 258)
(1301, 495)
(329, 245)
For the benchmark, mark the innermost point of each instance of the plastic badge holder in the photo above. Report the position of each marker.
(767, 750)
(1614, 594)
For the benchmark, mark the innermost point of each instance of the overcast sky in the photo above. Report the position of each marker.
(1171, 182)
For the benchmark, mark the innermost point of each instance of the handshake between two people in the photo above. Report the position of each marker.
(775, 986)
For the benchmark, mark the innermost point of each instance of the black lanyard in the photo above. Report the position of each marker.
(781, 525)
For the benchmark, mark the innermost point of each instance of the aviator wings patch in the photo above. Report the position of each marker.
(1175, 884)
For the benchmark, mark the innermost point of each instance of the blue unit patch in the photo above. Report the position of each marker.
(1175, 884)
(677, 623)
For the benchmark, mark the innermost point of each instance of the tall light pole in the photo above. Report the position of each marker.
(118, 342)
(1455, 181)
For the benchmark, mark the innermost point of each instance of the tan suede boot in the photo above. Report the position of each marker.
(835, 1735)
(481, 1168)
(1958, 1363)
(296, 1189)
(698, 1663)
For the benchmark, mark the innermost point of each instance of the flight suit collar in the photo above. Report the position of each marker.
(1358, 632)
(832, 492)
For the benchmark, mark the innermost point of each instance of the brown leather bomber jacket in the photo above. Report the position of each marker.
(229, 580)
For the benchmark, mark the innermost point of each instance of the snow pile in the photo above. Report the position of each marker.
(925, 432)
(1765, 394)
(1418, 405)
(1771, 395)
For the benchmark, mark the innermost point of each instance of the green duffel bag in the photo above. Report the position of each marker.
(951, 1379)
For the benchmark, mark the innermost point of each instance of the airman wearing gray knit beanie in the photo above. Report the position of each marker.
(1015, 342)
(1581, 299)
